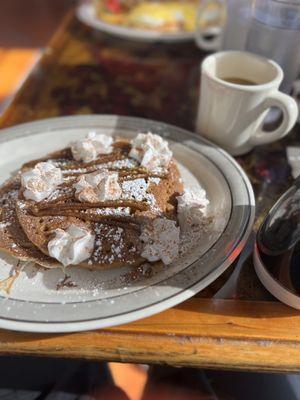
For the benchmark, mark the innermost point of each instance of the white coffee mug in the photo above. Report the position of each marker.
(232, 114)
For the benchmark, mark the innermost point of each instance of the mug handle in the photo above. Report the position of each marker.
(296, 91)
(290, 114)
(216, 31)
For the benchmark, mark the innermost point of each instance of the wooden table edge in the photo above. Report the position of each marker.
(203, 333)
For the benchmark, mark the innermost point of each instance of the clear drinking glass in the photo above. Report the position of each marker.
(275, 33)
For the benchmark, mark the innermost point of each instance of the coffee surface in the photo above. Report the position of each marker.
(239, 81)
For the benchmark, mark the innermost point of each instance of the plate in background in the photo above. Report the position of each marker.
(86, 14)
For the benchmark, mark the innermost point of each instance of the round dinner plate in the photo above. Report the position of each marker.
(86, 14)
(98, 299)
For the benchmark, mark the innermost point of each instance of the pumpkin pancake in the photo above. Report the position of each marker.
(12, 237)
(116, 224)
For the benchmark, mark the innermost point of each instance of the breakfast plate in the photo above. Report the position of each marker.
(86, 13)
(38, 301)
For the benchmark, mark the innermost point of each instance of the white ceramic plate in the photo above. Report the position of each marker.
(86, 14)
(106, 298)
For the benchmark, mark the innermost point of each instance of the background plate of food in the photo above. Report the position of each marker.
(108, 219)
(168, 21)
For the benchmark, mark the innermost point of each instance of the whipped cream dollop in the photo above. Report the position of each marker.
(192, 208)
(40, 181)
(89, 148)
(151, 151)
(160, 239)
(98, 186)
(71, 246)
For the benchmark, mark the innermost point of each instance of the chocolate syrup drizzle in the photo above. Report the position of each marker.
(67, 205)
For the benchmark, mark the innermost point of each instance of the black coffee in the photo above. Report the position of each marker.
(240, 81)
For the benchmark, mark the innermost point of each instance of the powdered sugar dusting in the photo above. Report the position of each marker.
(4, 225)
(119, 164)
(119, 211)
(154, 180)
(127, 163)
(115, 237)
(137, 190)
(61, 191)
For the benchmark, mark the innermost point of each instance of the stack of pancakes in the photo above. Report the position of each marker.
(27, 226)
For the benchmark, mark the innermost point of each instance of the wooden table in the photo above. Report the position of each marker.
(82, 72)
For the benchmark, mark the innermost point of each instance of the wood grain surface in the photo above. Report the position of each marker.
(202, 333)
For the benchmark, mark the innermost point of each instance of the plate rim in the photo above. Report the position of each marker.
(20, 130)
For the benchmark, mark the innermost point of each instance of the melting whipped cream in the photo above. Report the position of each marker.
(151, 151)
(71, 246)
(40, 181)
(192, 208)
(88, 149)
(161, 240)
(98, 186)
